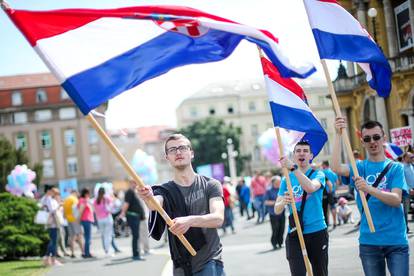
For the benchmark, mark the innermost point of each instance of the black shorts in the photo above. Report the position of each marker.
(332, 200)
(317, 244)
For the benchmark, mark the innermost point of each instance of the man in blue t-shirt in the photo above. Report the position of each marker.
(304, 179)
(389, 241)
(330, 189)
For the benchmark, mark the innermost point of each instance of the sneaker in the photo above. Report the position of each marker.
(138, 258)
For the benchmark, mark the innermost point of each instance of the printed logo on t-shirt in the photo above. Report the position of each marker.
(193, 197)
(370, 179)
(298, 193)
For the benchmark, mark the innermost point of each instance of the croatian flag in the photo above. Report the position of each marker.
(289, 110)
(339, 35)
(98, 54)
(392, 151)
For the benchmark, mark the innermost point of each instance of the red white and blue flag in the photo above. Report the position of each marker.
(290, 111)
(98, 54)
(340, 36)
(392, 151)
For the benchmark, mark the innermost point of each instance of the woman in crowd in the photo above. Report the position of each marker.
(103, 206)
(86, 218)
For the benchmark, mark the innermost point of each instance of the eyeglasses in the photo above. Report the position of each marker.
(375, 137)
(182, 148)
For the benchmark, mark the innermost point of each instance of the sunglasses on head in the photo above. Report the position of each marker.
(375, 137)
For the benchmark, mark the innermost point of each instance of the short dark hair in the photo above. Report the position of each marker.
(176, 136)
(325, 163)
(303, 143)
(371, 124)
(84, 192)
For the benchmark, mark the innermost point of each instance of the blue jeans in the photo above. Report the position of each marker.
(373, 259)
(212, 268)
(52, 246)
(133, 222)
(87, 225)
(259, 205)
(228, 219)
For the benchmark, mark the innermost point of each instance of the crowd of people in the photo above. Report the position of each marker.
(200, 206)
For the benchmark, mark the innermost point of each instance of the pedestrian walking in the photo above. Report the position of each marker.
(308, 186)
(195, 203)
(277, 221)
(383, 183)
(102, 206)
(86, 220)
(258, 189)
(71, 214)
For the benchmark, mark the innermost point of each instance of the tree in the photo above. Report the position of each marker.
(7, 161)
(19, 235)
(38, 169)
(209, 141)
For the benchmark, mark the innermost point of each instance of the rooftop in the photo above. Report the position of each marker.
(27, 81)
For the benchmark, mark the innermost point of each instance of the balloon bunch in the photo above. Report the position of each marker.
(108, 188)
(145, 166)
(270, 148)
(19, 181)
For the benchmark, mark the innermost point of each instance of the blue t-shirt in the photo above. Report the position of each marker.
(390, 227)
(313, 218)
(332, 177)
(271, 194)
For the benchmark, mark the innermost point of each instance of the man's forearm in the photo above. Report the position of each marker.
(214, 220)
(390, 198)
(305, 182)
(279, 207)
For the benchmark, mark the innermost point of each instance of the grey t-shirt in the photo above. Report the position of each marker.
(197, 197)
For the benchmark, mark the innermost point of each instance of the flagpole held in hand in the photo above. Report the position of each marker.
(347, 144)
(294, 210)
(136, 178)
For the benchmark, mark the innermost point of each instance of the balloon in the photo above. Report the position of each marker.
(19, 181)
(145, 166)
(270, 148)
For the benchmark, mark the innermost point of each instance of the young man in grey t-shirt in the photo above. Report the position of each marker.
(203, 202)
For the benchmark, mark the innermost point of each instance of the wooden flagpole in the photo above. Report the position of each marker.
(294, 210)
(137, 179)
(347, 144)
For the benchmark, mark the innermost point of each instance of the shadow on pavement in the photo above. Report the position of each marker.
(267, 251)
(120, 261)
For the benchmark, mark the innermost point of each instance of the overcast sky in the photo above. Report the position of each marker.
(154, 102)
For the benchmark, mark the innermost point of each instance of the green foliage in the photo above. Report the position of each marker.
(38, 169)
(209, 141)
(7, 161)
(19, 235)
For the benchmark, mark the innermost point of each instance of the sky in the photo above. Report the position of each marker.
(155, 101)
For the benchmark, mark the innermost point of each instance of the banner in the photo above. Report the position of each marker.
(402, 136)
(66, 186)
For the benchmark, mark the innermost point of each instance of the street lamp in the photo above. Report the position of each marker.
(231, 155)
(372, 13)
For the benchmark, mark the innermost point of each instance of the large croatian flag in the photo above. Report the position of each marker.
(98, 54)
(339, 35)
(290, 111)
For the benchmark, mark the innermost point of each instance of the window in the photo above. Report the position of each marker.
(67, 113)
(63, 95)
(230, 110)
(321, 100)
(252, 106)
(193, 112)
(255, 130)
(20, 117)
(324, 123)
(72, 165)
(17, 98)
(70, 137)
(48, 168)
(92, 136)
(45, 139)
(95, 163)
(41, 96)
(43, 115)
(21, 141)
(256, 153)
(212, 111)
(326, 148)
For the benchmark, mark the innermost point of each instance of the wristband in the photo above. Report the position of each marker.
(294, 168)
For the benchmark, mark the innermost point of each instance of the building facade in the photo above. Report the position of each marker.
(245, 104)
(390, 23)
(37, 116)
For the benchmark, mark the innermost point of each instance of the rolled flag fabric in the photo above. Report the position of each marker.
(289, 109)
(98, 54)
(340, 36)
(392, 151)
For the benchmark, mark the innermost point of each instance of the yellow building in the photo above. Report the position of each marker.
(390, 23)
